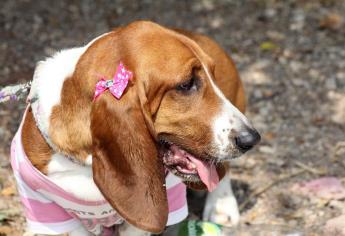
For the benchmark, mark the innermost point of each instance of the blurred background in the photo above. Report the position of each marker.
(291, 57)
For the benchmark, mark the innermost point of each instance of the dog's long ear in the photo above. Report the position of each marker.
(125, 163)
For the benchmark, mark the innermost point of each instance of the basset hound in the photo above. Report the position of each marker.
(84, 163)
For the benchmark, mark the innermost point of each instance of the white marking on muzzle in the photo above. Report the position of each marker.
(228, 120)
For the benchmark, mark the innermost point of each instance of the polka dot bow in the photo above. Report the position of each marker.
(117, 85)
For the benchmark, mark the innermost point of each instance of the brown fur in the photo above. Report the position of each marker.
(34, 144)
(122, 134)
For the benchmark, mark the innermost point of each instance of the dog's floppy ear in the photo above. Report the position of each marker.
(125, 163)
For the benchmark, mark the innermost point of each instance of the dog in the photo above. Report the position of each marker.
(92, 152)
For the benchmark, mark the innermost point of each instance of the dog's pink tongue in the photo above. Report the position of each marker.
(207, 173)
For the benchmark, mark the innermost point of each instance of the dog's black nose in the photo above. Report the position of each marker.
(247, 139)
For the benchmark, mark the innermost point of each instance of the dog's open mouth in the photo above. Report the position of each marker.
(187, 166)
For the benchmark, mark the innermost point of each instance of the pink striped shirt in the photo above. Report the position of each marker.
(51, 210)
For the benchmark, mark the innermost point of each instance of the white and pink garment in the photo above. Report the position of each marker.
(51, 210)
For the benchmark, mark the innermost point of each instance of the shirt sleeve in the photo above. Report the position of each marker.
(42, 215)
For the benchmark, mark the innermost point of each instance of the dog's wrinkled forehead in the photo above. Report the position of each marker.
(172, 58)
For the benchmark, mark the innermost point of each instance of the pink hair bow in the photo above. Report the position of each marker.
(117, 85)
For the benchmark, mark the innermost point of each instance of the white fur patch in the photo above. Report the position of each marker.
(73, 178)
(88, 160)
(221, 205)
(129, 230)
(229, 120)
(47, 83)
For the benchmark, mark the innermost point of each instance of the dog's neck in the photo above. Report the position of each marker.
(47, 84)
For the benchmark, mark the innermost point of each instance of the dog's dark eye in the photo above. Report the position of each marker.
(190, 85)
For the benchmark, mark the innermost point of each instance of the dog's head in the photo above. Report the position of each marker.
(171, 116)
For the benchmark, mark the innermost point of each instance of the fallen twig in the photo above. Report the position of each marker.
(310, 169)
(268, 186)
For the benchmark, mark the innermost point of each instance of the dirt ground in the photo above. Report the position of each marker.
(291, 57)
